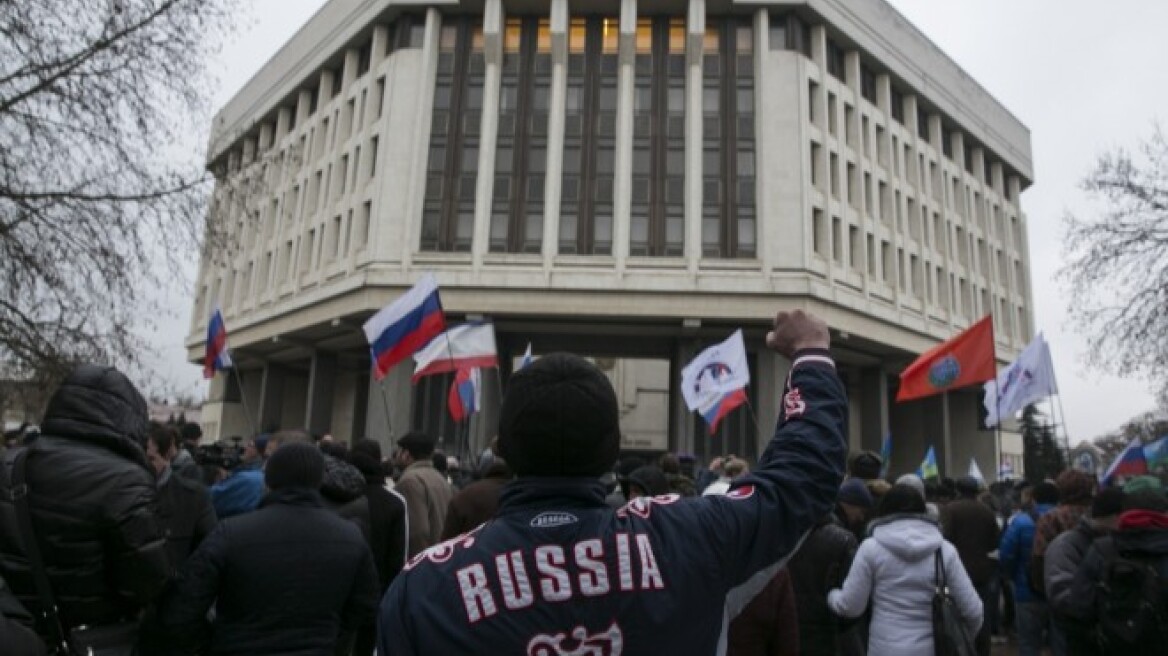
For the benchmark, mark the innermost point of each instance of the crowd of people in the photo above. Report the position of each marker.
(128, 536)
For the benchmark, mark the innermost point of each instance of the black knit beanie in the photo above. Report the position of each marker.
(295, 465)
(559, 418)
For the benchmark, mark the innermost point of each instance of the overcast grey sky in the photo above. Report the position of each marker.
(1083, 76)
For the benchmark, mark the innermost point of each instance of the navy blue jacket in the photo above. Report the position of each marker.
(557, 571)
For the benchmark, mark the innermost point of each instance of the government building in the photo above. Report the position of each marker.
(630, 180)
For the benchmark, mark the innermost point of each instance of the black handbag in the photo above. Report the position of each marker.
(117, 639)
(950, 637)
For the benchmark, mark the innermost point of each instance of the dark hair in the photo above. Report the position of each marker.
(335, 449)
(163, 436)
(670, 464)
(1146, 500)
(191, 432)
(439, 460)
(366, 446)
(901, 499)
(1046, 492)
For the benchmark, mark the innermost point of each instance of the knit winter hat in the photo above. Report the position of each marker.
(559, 418)
(913, 481)
(865, 465)
(295, 465)
(1107, 503)
(651, 480)
(854, 492)
(1143, 483)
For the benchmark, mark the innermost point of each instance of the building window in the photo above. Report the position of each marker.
(658, 198)
(835, 60)
(587, 184)
(409, 32)
(521, 150)
(896, 99)
(789, 32)
(868, 84)
(728, 207)
(922, 124)
(452, 172)
(364, 57)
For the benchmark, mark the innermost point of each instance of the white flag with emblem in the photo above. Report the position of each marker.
(716, 371)
(1027, 380)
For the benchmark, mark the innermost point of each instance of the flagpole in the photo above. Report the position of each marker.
(1062, 411)
(243, 401)
(997, 408)
(385, 407)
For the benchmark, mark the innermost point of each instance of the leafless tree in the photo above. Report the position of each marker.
(1117, 262)
(103, 112)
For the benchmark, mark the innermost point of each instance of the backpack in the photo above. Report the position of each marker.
(1130, 604)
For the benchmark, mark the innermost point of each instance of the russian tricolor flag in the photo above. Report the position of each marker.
(1129, 463)
(721, 407)
(404, 326)
(217, 357)
(465, 397)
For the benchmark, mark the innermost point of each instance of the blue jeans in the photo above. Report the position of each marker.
(1032, 619)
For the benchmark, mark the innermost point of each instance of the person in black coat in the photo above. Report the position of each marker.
(289, 578)
(92, 496)
(818, 567)
(184, 505)
(381, 515)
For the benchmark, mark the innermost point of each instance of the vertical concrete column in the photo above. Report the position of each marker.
(283, 121)
(683, 418)
(420, 138)
(873, 407)
(767, 245)
(352, 60)
(623, 184)
(389, 409)
(772, 370)
(303, 103)
(696, 30)
(271, 397)
(322, 374)
(555, 153)
(493, 26)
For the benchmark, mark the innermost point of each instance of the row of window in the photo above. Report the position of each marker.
(325, 244)
(790, 32)
(973, 253)
(882, 200)
(587, 182)
(910, 273)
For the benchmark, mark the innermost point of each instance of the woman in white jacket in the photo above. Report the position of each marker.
(895, 568)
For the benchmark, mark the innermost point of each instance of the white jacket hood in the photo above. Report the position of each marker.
(910, 538)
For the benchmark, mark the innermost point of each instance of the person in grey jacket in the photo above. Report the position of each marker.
(1063, 558)
(895, 568)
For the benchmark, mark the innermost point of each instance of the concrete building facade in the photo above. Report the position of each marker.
(627, 179)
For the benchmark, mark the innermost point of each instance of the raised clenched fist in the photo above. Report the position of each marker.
(797, 330)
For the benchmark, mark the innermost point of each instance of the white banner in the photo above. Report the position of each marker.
(1027, 380)
(716, 371)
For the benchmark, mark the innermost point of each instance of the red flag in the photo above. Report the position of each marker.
(964, 360)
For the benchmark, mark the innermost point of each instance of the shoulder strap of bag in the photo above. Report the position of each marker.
(939, 572)
(20, 491)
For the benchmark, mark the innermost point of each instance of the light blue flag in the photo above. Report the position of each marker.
(886, 455)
